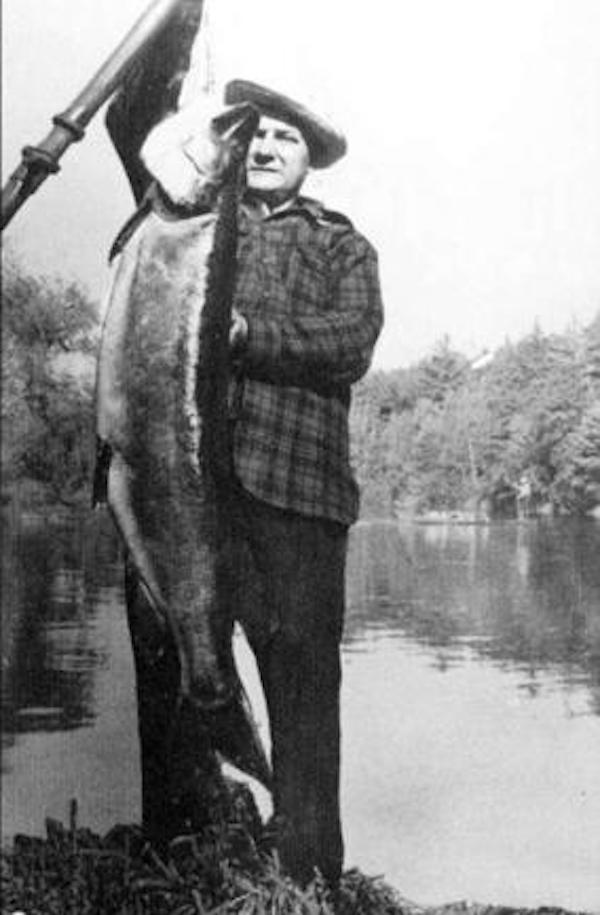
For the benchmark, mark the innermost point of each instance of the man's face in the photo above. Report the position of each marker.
(278, 160)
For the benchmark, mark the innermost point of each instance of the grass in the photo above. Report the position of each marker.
(222, 870)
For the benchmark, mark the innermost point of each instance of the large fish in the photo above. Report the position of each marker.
(162, 421)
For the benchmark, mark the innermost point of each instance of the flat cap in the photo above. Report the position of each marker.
(325, 143)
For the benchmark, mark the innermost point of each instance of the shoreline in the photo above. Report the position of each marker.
(224, 869)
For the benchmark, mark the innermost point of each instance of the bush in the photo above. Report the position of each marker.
(49, 338)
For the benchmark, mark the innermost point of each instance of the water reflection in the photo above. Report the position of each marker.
(51, 651)
(470, 701)
(524, 595)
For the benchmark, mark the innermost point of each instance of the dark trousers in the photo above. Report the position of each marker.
(285, 584)
(287, 579)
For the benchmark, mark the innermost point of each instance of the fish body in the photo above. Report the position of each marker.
(162, 418)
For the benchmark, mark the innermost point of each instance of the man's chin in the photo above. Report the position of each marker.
(269, 183)
(271, 198)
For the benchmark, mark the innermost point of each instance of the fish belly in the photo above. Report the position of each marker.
(160, 488)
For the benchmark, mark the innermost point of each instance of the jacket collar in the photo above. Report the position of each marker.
(303, 206)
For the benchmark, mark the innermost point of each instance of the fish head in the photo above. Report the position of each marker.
(195, 151)
(221, 144)
(232, 131)
(218, 153)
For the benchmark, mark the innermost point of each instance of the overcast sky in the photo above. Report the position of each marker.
(474, 133)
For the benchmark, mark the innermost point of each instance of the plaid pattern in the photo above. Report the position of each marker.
(308, 285)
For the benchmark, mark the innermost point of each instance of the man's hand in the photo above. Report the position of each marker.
(238, 333)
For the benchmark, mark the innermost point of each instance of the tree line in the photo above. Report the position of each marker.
(444, 435)
(450, 435)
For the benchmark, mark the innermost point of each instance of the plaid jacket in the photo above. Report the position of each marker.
(308, 286)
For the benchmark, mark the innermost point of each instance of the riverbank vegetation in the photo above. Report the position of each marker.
(222, 871)
(49, 333)
(445, 435)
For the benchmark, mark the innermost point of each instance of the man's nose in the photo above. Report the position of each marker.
(262, 149)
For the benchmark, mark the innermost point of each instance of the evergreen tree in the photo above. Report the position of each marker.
(441, 435)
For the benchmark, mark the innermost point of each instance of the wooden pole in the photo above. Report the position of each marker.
(42, 160)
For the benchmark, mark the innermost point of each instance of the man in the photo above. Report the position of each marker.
(307, 315)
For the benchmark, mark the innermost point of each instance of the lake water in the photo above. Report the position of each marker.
(471, 701)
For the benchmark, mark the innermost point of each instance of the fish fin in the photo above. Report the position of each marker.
(132, 224)
(235, 737)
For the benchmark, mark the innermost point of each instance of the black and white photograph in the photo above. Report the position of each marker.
(300, 457)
